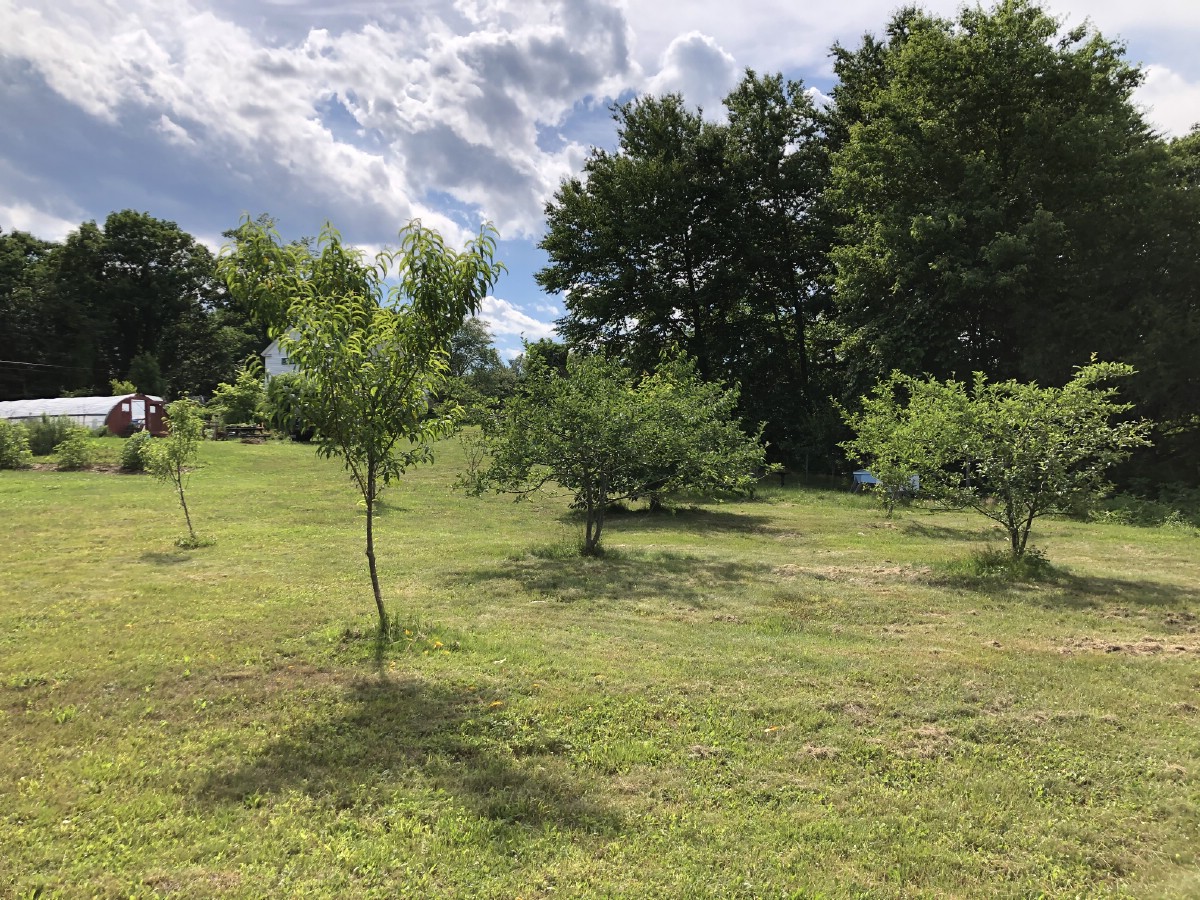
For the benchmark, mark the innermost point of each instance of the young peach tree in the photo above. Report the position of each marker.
(169, 459)
(370, 339)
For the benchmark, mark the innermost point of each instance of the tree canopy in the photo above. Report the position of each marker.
(604, 434)
(1012, 451)
(996, 191)
(369, 355)
(137, 296)
(704, 236)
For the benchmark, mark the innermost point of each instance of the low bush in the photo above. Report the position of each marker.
(14, 446)
(48, 432)
(1172, 505)
(74, 452)
(993, 566)
(133, 453)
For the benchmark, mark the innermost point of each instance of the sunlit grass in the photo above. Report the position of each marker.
(788, 697)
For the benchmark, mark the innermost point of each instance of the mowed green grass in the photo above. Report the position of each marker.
(778, 698)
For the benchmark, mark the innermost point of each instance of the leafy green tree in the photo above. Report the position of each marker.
(14, 446)
(284, 405)
(30, 330)
(1009, 450)
(133, 285)
(241, 402)
(146, 374)
(477, 379)
(604, 435)
(370, 356)
(169, 459)
(76, 315)
(709, 237)
(997, 191)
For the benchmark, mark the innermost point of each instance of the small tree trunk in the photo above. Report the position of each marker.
(600, 508)
(183, 502)
(383, 622)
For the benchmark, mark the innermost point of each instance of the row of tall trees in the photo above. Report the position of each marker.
(981, 194)
(137, 299)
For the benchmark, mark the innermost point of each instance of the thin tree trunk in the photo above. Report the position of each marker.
(383, 622)
(589, 544)
(182, 502)
(600, 510)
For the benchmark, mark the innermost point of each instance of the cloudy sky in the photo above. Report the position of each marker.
(368, 113)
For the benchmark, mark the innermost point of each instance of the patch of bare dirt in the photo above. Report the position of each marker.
(1146, 646)
(818, 752)
(857, 712)
(863, 575)
(926, 742)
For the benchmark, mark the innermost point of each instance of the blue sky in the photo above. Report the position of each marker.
(368, 113)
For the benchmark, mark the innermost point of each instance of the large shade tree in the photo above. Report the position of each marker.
(706, 236)
(1000, 197)
(134, 295)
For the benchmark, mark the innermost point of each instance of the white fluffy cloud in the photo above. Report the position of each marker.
(385, 117)
(1172, 102)
(507, 321)
(696, 66)
(24, 217)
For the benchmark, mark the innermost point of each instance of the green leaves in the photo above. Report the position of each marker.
(604, 434)
(1009, 450)
(370, 356)
(989, 175)
(168, 458)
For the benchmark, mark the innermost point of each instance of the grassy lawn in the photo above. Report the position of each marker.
(790, 697)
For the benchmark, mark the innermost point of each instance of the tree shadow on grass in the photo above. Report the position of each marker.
(621, 575)
(1059, 588)
(621, 520)
(1092, 591)
(413, 736)
(933, 532)
(171, 558)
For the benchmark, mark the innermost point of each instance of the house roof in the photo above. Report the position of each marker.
(64, 406)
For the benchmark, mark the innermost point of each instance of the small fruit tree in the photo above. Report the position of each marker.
(370, 340)
(1008, 450)
(604, 434)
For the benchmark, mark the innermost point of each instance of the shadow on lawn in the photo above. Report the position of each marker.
(407, 735)
(934, 532)
(1091, 591)
(684, 518)
(1059, 588)
(618, 575)
(172, 558)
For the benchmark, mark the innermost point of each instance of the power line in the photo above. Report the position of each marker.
(17, 362)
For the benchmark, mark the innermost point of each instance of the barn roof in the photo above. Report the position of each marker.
(63, 406)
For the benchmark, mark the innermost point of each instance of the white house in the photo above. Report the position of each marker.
(275, 363)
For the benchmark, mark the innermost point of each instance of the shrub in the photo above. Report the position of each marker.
(14, 446)
(993, 566)
(48, 432)
(133, 453)
(75, 452)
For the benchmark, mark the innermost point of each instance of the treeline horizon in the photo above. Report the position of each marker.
(981, 194)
